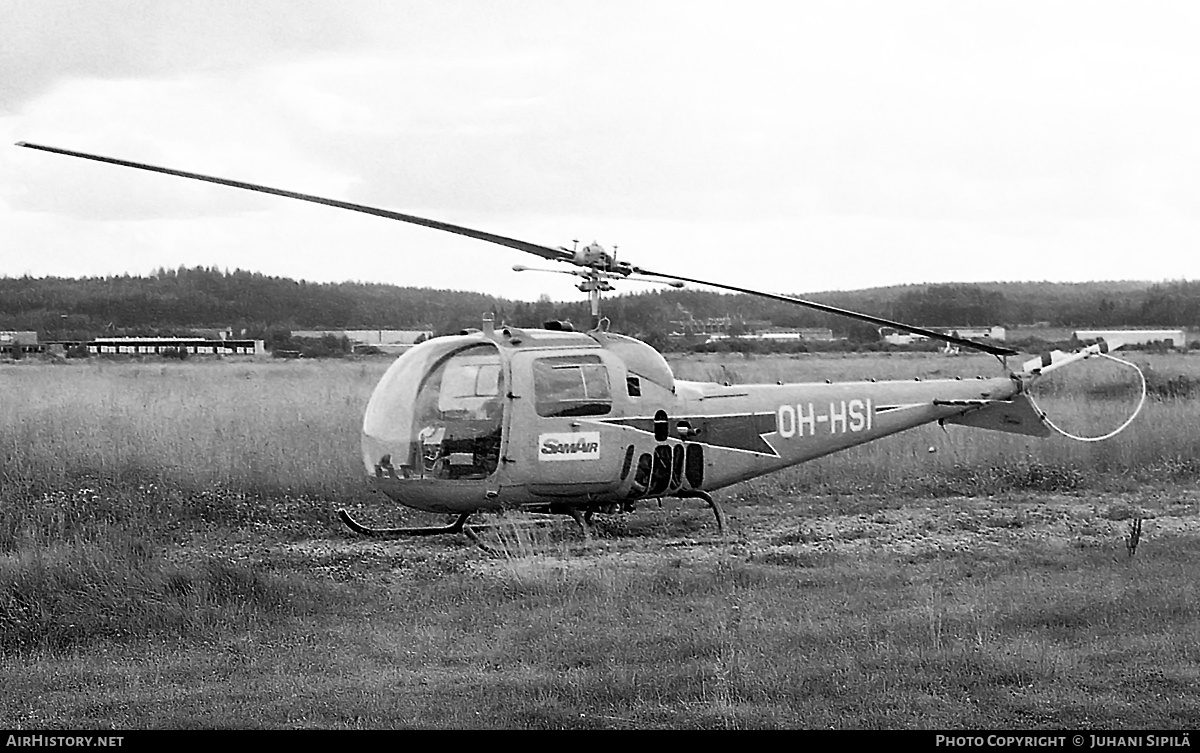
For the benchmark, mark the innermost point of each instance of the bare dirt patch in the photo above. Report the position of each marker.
(784, 532)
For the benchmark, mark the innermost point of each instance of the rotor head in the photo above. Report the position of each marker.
(595, 256)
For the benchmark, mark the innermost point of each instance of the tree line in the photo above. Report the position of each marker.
(253, 305)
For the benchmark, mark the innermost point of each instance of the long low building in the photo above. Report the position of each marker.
(1176, 338)
(893, 336)
(780, 334)
(165, 345)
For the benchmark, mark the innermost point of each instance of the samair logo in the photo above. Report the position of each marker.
(583, 445)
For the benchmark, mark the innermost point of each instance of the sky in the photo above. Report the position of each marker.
(792, 147)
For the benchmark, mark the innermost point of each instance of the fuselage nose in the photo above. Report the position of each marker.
(433, 428)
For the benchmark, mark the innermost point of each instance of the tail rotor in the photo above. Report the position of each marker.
(1036, 368)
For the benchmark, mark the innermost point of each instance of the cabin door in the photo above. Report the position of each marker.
(557, 436)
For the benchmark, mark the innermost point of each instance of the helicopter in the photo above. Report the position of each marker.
(553, 420)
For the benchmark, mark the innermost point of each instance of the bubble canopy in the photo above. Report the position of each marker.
(437, 412)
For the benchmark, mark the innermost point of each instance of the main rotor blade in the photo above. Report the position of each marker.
(986, 348)
(556, 254)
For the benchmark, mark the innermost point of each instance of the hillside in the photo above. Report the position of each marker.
(174, 301)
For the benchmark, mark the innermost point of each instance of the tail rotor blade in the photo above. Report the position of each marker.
(1056, 359)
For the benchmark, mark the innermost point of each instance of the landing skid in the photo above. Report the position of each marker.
(458, 526)
(581, 517)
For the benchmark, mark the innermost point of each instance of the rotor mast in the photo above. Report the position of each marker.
(595, 285)
(598, 266)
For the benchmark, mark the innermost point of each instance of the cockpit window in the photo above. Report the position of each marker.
(469, 382)
(458, 415)
(466, 384)
(571, 386)
(438, 413)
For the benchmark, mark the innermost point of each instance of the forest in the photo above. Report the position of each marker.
(253, 305)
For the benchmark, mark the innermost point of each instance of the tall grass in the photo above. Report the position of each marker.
(1043, 638)
(106, 463)
(111, 584)
(259, 428)
(276, 429)
(110, 457)
(196, 437)
(101, 461)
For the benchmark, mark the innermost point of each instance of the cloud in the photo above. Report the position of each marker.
(817, 141)
(203, 124)
(46, 41)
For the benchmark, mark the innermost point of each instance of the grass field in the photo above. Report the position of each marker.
(168, 558)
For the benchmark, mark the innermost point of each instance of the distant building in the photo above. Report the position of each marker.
(213, 334)
(903, 338)
(1175, 338)
(893, 336)
(26, 342)
(387, 340)
(781, 334)
(811, 334)
(165, 345)
(974, 333)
